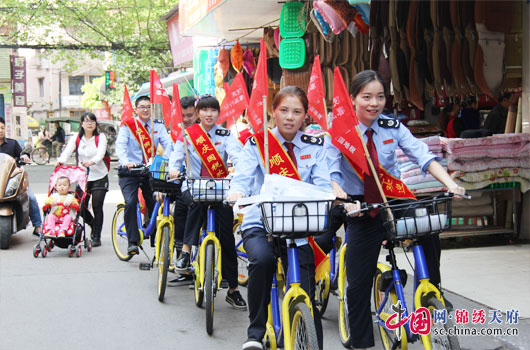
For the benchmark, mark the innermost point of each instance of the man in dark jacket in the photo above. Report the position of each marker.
(12, 148)
(58, 139)
(496, 120)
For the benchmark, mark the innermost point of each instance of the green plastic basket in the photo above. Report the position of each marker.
(505, 185)
(292, 25)
(292, 53)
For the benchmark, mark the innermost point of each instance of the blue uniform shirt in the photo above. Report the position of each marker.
(386, 139)
(250, 171)
(128, 149)
(225, 143)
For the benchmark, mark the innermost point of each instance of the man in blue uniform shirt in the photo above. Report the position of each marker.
(130, 154)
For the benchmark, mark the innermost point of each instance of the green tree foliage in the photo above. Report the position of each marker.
(130, 30)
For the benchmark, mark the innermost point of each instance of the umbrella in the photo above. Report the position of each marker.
(32, 123)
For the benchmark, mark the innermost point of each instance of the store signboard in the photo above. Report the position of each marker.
(181, 46)
(192, 11)
(18, 80)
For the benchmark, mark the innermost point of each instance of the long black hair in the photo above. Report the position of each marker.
(88, 116)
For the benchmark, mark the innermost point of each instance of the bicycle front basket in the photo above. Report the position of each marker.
(417, 219)
(159, 183)
(208, 190)
(295, 219)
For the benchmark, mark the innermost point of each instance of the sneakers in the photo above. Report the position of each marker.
(96, 242)
(133, 249)
(183, 262)
(181, 280)
(252, 344)
(236, 300)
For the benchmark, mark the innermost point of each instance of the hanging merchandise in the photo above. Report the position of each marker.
(248, 62)
(237, 57)
(321, 25)
(330, 16)
(292, 28)
(220, 92)
(224, 61)
(209, 74)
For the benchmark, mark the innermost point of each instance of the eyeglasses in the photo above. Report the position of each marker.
(145, 108)
(89, 121)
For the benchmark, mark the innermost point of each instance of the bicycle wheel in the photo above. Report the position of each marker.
(209, 285)
(119, 235)
(344, 323)
(269, 340)
(388, 337)
(164, 259)
(322, 294)
(303, 331)
(40, 155)
(439, 338)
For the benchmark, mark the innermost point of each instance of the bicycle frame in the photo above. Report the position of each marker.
(294, 291)
(422, 287)
(165, 219)
(207, 236)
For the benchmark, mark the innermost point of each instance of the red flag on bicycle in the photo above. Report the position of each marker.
(236, 100)
(176, 114)
(343, 132)
(127, 108)
(316, 95)
(260, 88)
(159, 95)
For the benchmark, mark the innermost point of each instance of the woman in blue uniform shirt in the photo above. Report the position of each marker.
(366, 233)
(289, 110)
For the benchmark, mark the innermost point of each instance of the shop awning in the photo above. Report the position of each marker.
(168, 82)
(32, 123)
(229, 15)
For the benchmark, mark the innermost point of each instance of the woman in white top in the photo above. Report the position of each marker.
(90, 155)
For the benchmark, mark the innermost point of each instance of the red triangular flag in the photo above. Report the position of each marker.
(343, 130)
(316, 95)
(159, 95)
(176, 114)
(127, 108)
(260, 88)
(236, 100)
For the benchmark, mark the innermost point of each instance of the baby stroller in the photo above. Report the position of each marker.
(75, 236)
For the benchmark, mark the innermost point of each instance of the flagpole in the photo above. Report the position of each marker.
(266, 134)
(372, 169)
(188, 163)
(325, 112)
(235, 125)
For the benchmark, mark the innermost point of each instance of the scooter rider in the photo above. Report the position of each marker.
(12, 148)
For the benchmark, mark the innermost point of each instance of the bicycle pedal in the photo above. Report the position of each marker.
(145, 266)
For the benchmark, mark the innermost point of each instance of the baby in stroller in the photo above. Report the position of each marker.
(63, 207)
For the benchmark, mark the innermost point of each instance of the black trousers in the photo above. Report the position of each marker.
(262, 258)
(365, 235)
(129, 187)
(336, 219)
(180, 213)
(224, 219)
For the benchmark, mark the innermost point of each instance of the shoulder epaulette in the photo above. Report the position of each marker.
(313, 140)
(388, 123)
(158, 121)
(222, 132)
(252, 140)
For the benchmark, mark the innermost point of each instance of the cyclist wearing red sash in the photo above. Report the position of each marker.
(366, 233)
(292, 154)
(134, 146)
(209, 147)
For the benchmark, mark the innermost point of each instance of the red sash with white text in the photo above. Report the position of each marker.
(141, 135)
(209, 155)
(392, 186)
(279, 161)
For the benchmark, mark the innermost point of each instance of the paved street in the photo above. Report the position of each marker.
(97, 301)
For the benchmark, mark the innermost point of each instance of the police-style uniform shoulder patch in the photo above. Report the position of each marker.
(252, 140)
(158, 121)
(388, 123)
(222, 132)
(313, 140)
